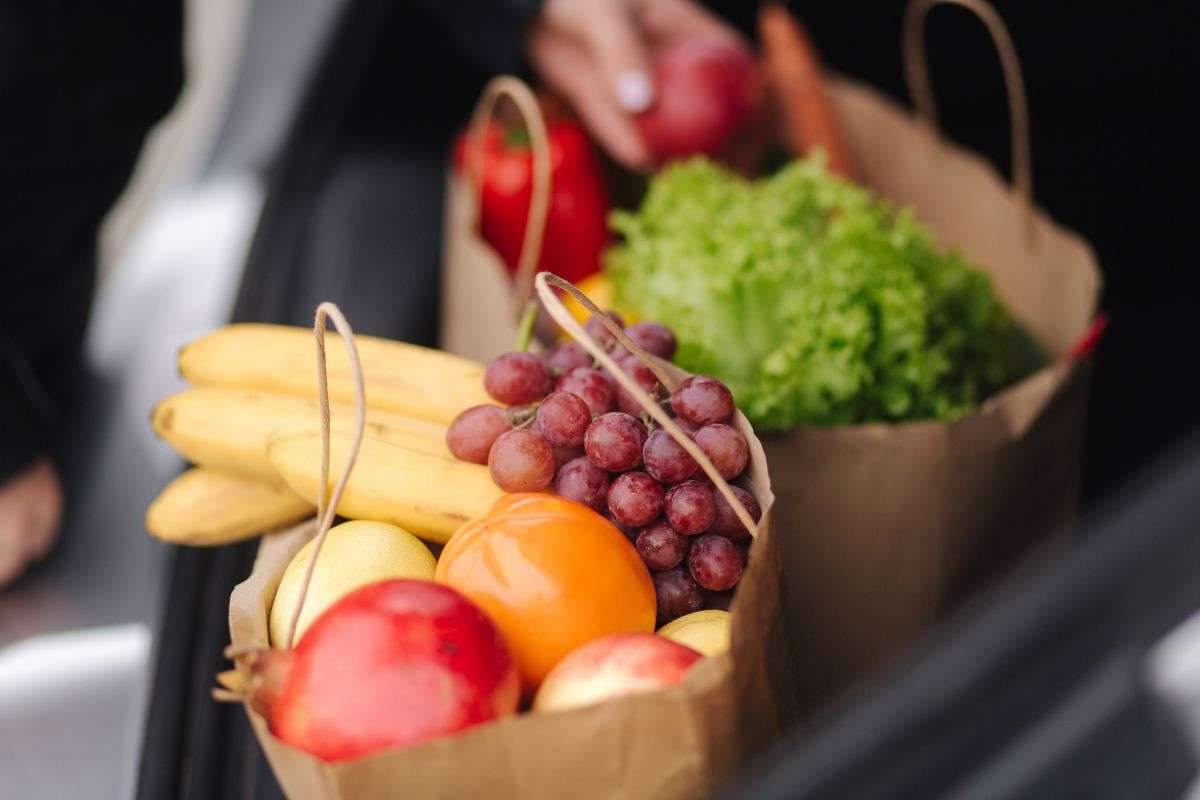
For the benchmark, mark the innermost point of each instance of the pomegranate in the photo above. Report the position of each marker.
(391, 664)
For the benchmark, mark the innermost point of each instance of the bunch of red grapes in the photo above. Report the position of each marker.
(569, 427)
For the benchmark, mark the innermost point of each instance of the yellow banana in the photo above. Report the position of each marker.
(202, 507)
(404, 378)
(428, 495)
(229, 429)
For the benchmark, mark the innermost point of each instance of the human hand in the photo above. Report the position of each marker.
(30, 511)
(596, 53)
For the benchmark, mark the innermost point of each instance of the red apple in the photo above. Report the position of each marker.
(705, 92)
(390, 664)
(612, 666)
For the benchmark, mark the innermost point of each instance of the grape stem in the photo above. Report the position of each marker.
(525, 328)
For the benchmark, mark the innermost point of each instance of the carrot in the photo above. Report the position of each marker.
(793, 76)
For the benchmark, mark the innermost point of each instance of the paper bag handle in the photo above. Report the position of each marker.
(916, 73)
(539, 195)
(558, 312)
(327, 502)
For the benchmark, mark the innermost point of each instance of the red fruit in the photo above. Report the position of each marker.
(562, 418)
(596, 328)
(472, 433)
(715, 562)
(706, 91)
(652, 337)
(676, 593)
(702, 400)
(389, 665)
(521, 461)
(665, 458)
(725, 448)
(563, 357)
(726, 522)
(635, 499)
(660, 546)
(590, 384)
(642, 376)
(614, 441)
(517, 378)
(582, 481)
(690, 507)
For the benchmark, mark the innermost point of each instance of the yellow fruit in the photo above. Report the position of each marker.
(202, 507)
(353, 555)
(705, 631)
(599, 290)
(428, 495)
(405, 378)
(229, 429)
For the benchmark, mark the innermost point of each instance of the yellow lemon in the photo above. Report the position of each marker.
(354, 554)
(705, 631)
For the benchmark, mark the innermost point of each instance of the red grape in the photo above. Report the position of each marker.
(690, 507)
(614, 441)
(563, 357)
(582, 481)
(564, 454)
(715, 562)
(702, 400)
(635, 498)
(517, 378)
(471, 434)
(718, 600)
(631, 533)
(653, 338)
(597, 330)
(642, 376)
(590, 384)
(521, 461)
(727, 523)
(676, 593)
(660, 546)
(725, 447)
(687, 426)
(666, 459)
(562, 418)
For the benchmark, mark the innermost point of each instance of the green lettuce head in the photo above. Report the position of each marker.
(814, 300)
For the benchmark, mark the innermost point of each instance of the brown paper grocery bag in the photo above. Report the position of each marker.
(678, 743)
(883, 527)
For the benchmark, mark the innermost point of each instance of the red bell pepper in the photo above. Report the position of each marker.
(576, 226)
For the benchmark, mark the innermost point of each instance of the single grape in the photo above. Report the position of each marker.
(614, 441)
(687, 426)
(596, 329)
(582, 481)
(590, 384)
(521, 461)
(563, 357)
(660, 546)
(715, 562)
(635, 498)
(665, 458)
(676, 593)
(471, 434)
(725, 447)
(726, 522)
(643, 376)
(654, 338)
(517, 378)
(564, 454)
(690, 507)
(563, 418)
(718, 600)
(631, 533)
(702, 400)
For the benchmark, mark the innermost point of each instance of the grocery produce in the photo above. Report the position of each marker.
(400, 377)
(715, 562)
(471, 435)
(521, 461)
(706, 93)
(428, 495)
(388, 665)
(202, 507)
(812, 299)
(676, 593)
(576, 233)
(552, 574)
(353, 554)
(229, 429)
(614, 666)
(707, 632)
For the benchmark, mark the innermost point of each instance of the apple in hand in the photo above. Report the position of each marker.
(706, 90)
(612, 666)
(391, 664)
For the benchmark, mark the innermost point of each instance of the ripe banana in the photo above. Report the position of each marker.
(426, 494)
(202, 508)
(229, 429)
(404, 378)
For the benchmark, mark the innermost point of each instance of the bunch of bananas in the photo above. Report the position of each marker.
(250, 426)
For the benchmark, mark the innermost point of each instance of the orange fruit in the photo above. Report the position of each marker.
(552, 574)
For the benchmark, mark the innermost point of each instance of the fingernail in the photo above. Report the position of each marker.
(634, 91)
